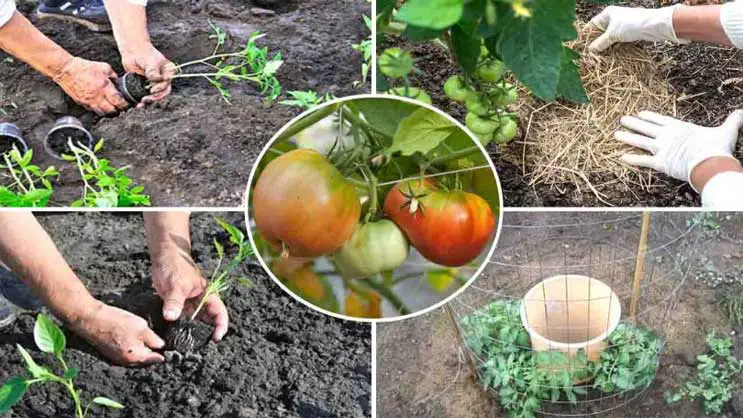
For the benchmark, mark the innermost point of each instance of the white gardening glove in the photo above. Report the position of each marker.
(630, 24)
(677, 146)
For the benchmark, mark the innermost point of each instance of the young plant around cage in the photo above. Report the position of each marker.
(50, 339)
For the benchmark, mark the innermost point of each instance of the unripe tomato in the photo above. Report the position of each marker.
(367, 306)
(450, 228)
(304, 205)
(412, 92)
(480, 125)
(455, 89)
(491, 71)
(477, 106)
(507, 131)
(374, 247)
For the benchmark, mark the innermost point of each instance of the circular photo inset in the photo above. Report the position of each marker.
(373, 207)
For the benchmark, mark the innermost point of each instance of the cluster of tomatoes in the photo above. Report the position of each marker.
(306, 208)
(485, 99)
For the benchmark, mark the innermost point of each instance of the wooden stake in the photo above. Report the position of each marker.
(640, 265)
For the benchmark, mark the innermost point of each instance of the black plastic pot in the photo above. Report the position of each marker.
(10, 135)
(64, 129)
(133, 87)
(186, 335)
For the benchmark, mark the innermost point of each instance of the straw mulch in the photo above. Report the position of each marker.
(574, 144)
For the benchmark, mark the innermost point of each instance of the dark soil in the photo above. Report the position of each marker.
(6, 145)
(694, 71)
(279, 359)
(133, 87)
(193, 148)
(58, 141)
(423, 372)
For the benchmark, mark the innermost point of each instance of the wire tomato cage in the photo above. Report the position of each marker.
(572, 314)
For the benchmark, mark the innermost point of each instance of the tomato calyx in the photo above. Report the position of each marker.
(413, 200)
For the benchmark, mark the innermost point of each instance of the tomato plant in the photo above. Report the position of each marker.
(304, 205)
(317, 201)
(486, 41)
(448, 227)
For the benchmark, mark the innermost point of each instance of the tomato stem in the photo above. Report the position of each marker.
(454, 155)
(388, 294)
(374, 197)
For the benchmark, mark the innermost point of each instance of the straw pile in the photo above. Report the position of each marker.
(574, 144)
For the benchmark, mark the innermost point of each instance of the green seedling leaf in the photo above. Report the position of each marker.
(48, 336)
(33, 368)
(236, 235)
(421, 132)
(98, 145)
(107, 402)
(219, 248)
(11, 392)
(71, 373)
(431, 14)
(244, 282)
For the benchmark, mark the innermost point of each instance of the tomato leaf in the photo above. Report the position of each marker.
(466, 44)
(431, 14)
(570, 85)
(532, 47)
(33, 368)
(48, 337)
(417, 33)
(385, 114)
(421, 132)
(11, 392)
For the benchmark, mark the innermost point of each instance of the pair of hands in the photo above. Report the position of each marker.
(127, 339)
(90, 83)
(676, 147)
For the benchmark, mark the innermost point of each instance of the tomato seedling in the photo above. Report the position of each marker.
(305, 99)
(365, 47)
(30, 186)
(50, 339)
(104, 186)
(221, 278)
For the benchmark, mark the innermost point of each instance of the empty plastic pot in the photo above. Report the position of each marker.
(65, 129)
(10, 135)
(569, 313)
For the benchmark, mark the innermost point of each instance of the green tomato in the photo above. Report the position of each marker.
(412, 92)
(396, 63)
(455, 89)
(477, 106)
(491, 72)
(485, 138)
(504, 95)
(507, 131)
(480, 125)
(374, 247)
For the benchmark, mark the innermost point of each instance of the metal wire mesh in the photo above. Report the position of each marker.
(571, 276)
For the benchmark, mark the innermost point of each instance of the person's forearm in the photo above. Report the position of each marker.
(709, 168)
(167, 233)
(21, 39)
(129, 23)
(30, 253)
(700, 24)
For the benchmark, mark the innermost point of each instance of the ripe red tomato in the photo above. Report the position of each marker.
(304, 205)
(449, 228)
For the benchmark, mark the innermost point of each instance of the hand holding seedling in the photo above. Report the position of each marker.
(175, 276)
(29, 251)
(89, 84)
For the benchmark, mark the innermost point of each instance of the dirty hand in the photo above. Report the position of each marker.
(179, 283)
(677, 147)
(152, 64)
(89, 83)
(123, 337)
(630, 24)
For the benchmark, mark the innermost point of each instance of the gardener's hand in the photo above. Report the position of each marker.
(149, 62)
(677, 147)
(123, 337)
(89, 83)
(179, 283)
(629, 24)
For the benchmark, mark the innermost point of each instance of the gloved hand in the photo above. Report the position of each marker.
(677, 147)
(89, 83)
(151, 63)
(630, 24)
